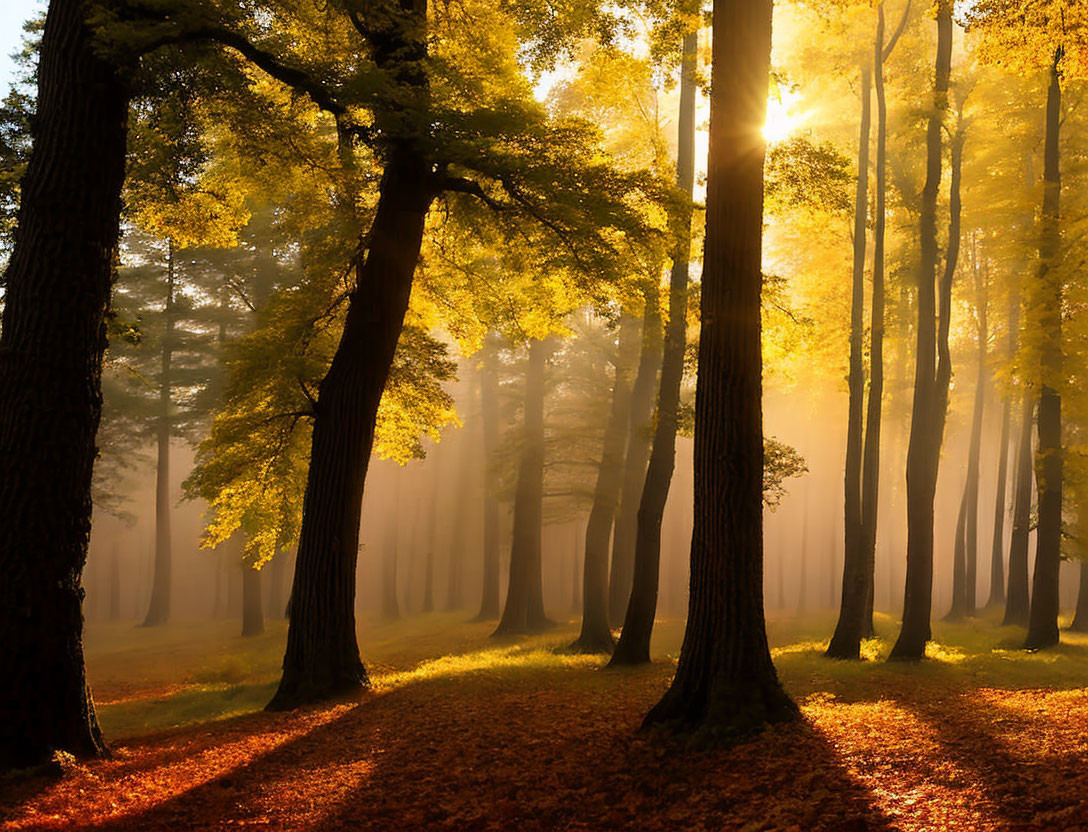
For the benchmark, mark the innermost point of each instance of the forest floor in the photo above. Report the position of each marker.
(461, 732)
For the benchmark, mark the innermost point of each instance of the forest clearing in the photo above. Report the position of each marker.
(464, 733)
(544, 415)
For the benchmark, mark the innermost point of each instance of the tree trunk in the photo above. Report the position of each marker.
(524, 610)
(57, 290)
(846, 641)
(489, 412)
(115, 586)
(1043, 620)
(959, 564)
(1080, 618)
(634, 643)
(974, 452)
(870, 470)
(997, 551)
(252, 602)
(322, 657)
(725, 685)
(276, 604)
(640, 415)
(965, 564)
(1016, 604)
(928, 411)
(428, 560)
(158, 610)
(595, 636)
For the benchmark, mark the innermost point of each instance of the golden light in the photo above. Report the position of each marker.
(782, 117)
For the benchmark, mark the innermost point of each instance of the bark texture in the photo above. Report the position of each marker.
(57, 290)
(725, 685)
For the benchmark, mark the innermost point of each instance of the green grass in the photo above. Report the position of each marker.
(152, 679)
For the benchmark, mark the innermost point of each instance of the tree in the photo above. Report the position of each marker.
(57, 287)
(596, 635)
(726, 685)
(933, 369)
(634, 642)
(524, 608)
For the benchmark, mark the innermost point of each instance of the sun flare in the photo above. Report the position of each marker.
(782, 117)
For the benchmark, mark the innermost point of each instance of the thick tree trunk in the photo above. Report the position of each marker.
(57, 289)
(322, 657)
(1043, 620)
(1080, 618)
(1017, 604)
(638, 623)
(931, 373)
(640, 416)
(252, 602)
(726, 685)
(846, 641)
(595, 635)
(489, 413)
(524, 609)
(158, 609)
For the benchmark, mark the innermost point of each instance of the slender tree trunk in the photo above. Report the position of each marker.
(1017, 604)
(725, 684)
(489, 412)
(846, 641)
(997, 552)
(1043, 619)
(931, 373)
(115, 585)
(252, 602)
(595, 636)
(158, 610)
(524, 610)
(638, 454)
(975, 449)
(959, 564)
(276, 604)
(576, 575)
(870, 470)
(1080, 618)
(428, 561)
(56, 292)
(634, 643)
(390, 600)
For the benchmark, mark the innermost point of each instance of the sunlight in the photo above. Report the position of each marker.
(782, 118)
